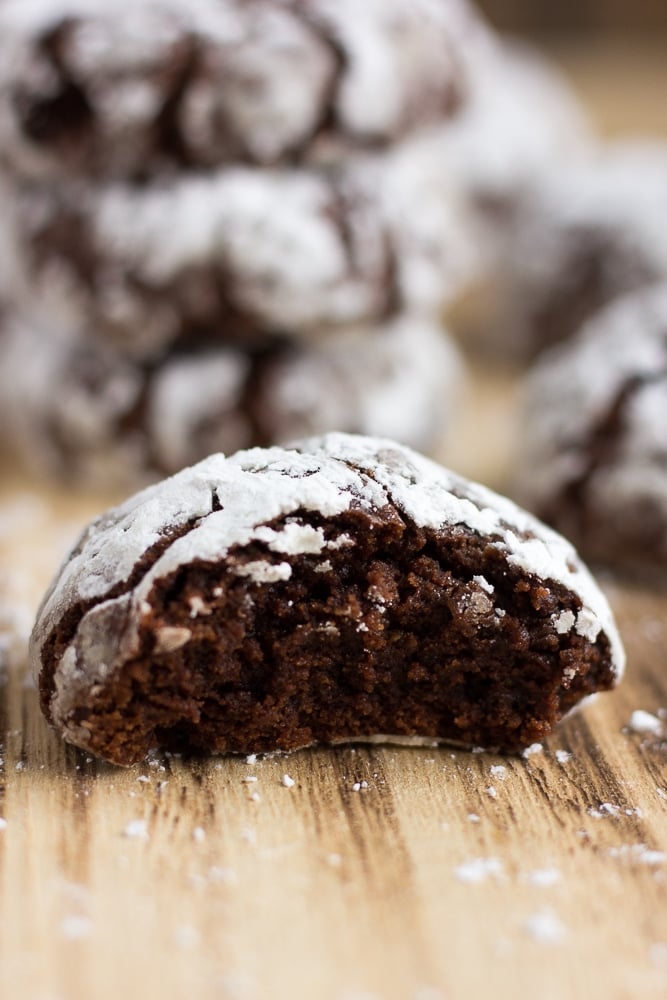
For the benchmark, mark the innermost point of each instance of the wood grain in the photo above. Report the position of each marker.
(253, 889)
(382, 873)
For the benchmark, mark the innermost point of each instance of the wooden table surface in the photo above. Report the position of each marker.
(380, 873)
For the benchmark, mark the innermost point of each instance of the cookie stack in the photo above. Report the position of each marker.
(227, 224)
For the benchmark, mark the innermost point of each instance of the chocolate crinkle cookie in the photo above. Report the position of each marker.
(131, 88)
(246, 253)
(338, 589)
(118, 422)
(521, 116)
(593, 452)
(589, 230)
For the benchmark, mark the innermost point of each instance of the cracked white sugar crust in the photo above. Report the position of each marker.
(253, 488)
(267, 70)
(300, 249)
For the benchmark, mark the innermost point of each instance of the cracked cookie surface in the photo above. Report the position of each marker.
(159, 85)
(343, 588)
(244, 254)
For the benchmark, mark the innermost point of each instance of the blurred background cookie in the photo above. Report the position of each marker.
(83, 413)
(588, 231)
(593, 450)
(197, 195)
(132, 89)
(243, 254)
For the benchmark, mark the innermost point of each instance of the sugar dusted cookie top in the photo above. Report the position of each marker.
(131, 87)
(325, 475)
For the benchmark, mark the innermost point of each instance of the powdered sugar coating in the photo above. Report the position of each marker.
(270, 246)
(84, 413)
(590, 230)
(593, 451)
(160, 84)
(403, 379)
(244, 253)
(228, 502)
(521, 116)
(72, 408)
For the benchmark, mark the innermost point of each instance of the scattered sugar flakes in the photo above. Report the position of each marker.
(544, 878)
(545, 927)
(473, 818)
(533, 749)
(639, 853)
(255, 797)
(249, 778)
(3, 823)
(136, 829)
(199, 835)
(491, 792)
(76, 928)
(644, 723)
(251, 759)
(287, 781)
(144, 779)
(478, 870)
(360, 786)
(563, 756)
(499, 771)
(605, 810)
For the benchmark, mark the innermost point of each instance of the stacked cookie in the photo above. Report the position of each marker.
(229, 224)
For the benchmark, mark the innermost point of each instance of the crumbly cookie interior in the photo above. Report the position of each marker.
(400, 630)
